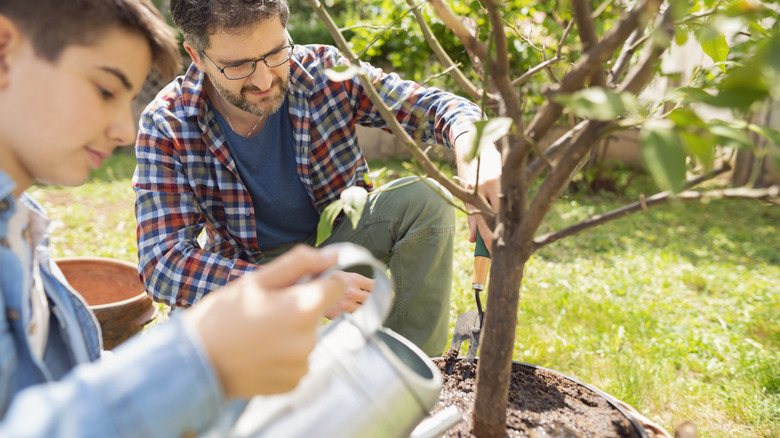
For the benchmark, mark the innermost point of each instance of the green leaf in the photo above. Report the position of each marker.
(773, 148)
(354, 200)
(687, 95)
(663, 155)
(681, 36)
(766, 132)
(341, 73)
(329, 215)
(485, 133)
(714, 45)
(774, 153)
(731, 134)
(598, 103)
(684, 117)
(737, 98)
(375, 175)
(745, 8)
(701, 145)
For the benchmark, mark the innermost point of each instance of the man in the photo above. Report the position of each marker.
(254, 141)
(68, 73)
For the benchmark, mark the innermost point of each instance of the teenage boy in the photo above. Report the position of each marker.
(254, 141)
(68, 73)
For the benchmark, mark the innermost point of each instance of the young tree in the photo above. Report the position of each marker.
(594, 84)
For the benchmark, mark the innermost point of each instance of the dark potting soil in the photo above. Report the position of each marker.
(541, 404)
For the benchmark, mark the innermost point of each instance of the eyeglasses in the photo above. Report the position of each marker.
(241, 70)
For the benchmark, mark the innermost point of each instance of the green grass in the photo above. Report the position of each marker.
(674, 310)
(96, 218)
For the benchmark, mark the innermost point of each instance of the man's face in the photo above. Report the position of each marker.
(263, 92)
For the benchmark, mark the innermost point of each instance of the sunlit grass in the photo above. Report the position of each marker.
(95, 218)
(674, 310)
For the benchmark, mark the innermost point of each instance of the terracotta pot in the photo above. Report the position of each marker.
(113, 292)
(544, 402)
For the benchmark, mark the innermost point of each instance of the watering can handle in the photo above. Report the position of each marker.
(372, 313)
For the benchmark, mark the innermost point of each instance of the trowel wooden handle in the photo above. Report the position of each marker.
(481, 264)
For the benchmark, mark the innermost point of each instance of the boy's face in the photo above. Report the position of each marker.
(263, 92)
(60, 120)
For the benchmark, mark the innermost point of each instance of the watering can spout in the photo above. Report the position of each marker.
(438, 423)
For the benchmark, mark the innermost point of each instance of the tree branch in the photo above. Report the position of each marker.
(578, 149)
(657, 199)
(561, 174)
(552, 151)
(536, 69)
(629, 48)
(499, 68)
(641, 74)
(460, 78)
(583, 15)
(431, 170)
(562, 41)
(638, 39)
(591, 61)
(451, 21)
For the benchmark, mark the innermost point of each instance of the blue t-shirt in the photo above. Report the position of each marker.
(284, 211)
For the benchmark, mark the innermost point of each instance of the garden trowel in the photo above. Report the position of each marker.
(469, 324)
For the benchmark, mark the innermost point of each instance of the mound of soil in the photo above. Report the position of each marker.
(541, 404)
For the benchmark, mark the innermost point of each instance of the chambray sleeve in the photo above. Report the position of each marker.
(173, 266)
(158, 384)
(428, 114)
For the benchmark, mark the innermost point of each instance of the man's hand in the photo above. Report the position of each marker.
(259, 330)
(358, 288)
(489, 184)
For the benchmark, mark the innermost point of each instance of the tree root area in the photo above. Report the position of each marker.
(542, 404)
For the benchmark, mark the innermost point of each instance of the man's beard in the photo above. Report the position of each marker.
(266, 107)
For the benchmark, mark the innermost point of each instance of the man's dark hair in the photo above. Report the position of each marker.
(54, 25)
(197, 19)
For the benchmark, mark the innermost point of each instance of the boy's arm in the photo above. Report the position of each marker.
(172, 265)
(252, 338)
(155, 385)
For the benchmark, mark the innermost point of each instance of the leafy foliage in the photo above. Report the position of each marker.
(611, 55)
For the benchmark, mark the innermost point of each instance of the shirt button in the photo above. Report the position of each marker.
(4, 205)
(247, 214)
(4, 242)
(31, 329)
(12, 314)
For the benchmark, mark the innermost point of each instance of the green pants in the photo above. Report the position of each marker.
(409, 224)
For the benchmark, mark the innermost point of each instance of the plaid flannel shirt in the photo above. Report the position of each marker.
(186, 180)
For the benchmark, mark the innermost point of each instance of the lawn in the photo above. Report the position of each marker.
(674, 310)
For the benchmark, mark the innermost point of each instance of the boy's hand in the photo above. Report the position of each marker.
(259, 330)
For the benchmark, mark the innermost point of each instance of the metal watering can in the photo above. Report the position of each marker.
(363, 381)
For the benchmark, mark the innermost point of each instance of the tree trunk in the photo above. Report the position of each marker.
(497, 338)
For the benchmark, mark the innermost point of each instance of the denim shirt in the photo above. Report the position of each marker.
(159, 383)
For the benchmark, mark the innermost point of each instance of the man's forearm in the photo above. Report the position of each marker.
(184, 273)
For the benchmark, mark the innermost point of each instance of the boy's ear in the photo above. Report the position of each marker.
(10, 38)
(194, 54)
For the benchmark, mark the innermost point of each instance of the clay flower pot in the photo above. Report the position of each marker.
(544, 403)
(113, 292)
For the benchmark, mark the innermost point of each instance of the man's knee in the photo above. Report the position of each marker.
(429, 196)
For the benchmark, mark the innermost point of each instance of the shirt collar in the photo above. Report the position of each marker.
(7, 185)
